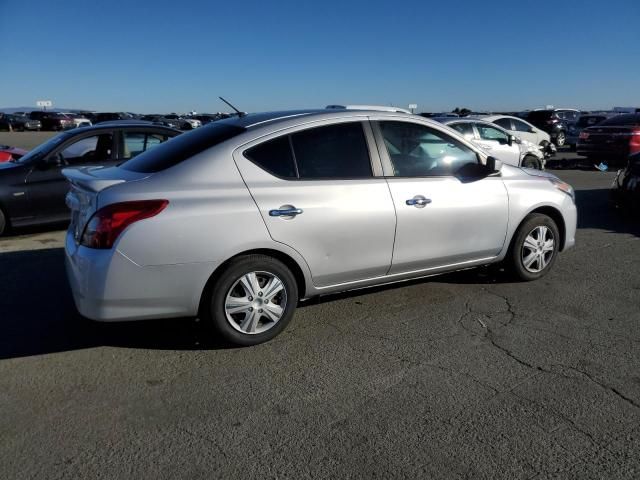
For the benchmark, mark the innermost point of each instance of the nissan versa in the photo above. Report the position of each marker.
(238, 220)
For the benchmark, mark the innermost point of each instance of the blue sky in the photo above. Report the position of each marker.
(161, 56)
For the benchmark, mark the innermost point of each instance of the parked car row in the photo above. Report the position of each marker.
(19, 123)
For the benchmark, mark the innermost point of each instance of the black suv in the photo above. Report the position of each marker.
(33, 189)
(555, 122)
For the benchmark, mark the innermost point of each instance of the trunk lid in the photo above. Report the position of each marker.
(613, 135)
(86, 185)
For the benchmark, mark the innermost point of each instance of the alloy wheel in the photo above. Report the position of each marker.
(255, 302)
(538, 249)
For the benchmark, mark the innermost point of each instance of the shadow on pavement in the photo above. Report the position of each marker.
(596, 210)
(38, 315)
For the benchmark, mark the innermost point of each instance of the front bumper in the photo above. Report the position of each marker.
(108, 286)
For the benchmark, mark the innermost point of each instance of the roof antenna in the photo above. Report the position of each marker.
(240, 114)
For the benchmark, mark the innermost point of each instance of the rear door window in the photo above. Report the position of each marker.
(333, 151)
(504, 123)
(134, 143)
(521, 126)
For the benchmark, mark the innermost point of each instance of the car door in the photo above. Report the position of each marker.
(498, 143)
(444, 217)
(317, 193)
(47, 187)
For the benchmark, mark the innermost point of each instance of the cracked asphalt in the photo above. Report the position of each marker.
(466, 375)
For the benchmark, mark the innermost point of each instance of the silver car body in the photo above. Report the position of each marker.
(511, 154)
(352, 234)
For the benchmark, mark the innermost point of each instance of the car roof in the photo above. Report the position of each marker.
(122, 126)
(252, 120)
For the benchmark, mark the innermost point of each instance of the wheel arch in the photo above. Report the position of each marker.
(551, 212)
(288, 260)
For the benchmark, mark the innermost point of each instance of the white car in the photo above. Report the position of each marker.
(523, 130)
(192, 122)
(498, 142)
(78, 120)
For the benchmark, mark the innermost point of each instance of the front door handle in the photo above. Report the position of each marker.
(418, 201)
(285, 212)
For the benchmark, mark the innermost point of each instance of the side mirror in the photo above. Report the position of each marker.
(511, 140)
(532, 130)
(493, 165)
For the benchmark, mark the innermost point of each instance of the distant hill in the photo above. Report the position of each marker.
(31, 109)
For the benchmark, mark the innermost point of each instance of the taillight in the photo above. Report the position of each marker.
(634, 141)
(109, 222)
(583, 135)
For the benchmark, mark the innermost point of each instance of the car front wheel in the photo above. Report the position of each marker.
(252, 300)
(561, 139)
(535, 247)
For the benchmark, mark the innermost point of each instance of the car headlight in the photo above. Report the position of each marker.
(564, 186)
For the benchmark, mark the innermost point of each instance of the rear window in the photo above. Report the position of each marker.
(588, 120)
(539, 115)
(628, 119)
(181, 148)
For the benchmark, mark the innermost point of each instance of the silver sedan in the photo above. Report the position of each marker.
(237, 221)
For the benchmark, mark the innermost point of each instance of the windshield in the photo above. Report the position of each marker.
(44, 148)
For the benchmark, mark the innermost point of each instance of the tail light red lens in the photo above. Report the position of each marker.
(109, 222)
(634, 141)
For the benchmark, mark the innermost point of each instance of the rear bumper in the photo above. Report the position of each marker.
(602, 150)
(107, 286)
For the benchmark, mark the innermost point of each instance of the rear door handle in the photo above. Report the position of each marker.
(418, 201)
(285, 212)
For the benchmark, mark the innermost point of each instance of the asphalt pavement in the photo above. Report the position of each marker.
(467, 375)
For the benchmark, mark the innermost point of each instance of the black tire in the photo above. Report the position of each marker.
(531, 162)
(561, 139)
(214, 302)
(517, 248)
(3, 223)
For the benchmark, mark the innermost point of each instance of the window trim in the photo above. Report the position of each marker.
(386, 159)
(374, 159)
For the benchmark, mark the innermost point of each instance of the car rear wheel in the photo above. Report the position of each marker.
(252, 300)
(534, 247)
(531, 162)
(561, 139)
